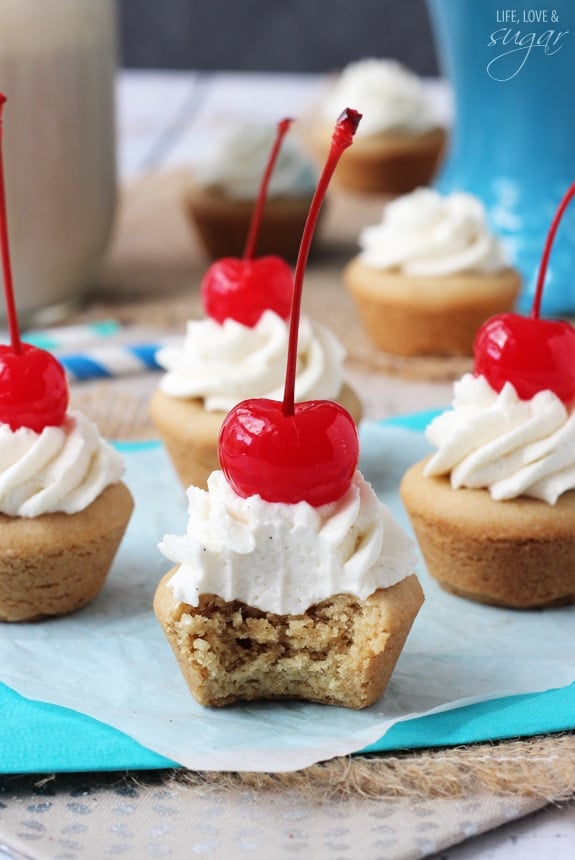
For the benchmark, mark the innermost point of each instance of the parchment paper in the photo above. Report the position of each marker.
(111, 661)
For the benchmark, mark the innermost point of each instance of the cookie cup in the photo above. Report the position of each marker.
(222, 223)
(518, 553)
(190, 433)
(385, 163)
(419, 316)
(341, 651)
(56, 563)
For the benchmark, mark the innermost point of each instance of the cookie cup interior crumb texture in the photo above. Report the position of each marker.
(339, 652)
(55, 563)
(222, 223)
(424, 316)
(190, 433)
(385, 163)
(518, 553)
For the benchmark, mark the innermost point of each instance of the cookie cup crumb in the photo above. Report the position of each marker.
(341, 651)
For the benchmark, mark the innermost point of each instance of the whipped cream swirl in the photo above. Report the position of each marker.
(284, 558)
(236, 163)
(62, 469)
(426, 234)
(509, 446)
(390, 97)
(228, 362)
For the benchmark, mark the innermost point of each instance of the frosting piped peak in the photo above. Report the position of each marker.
(390, 96)
(499, 442)
(60, 469)
(427, 234)
(235, 164)
(224, 363)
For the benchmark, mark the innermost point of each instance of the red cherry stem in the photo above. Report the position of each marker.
(5, 251)
(342, 137)
(536, 309)
(249, 250)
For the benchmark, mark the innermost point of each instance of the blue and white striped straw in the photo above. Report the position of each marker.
(110, 360)
(99, 350)
(62, 338)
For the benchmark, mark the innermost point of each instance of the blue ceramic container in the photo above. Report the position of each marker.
(512, 68)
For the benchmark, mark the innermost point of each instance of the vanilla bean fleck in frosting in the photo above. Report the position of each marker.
(283, 558)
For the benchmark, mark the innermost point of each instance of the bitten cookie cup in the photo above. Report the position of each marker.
(56, 563)
(518, 553)
(222, 223)
(427, 316)
(190, 433)
(339, 652)
(388, 162)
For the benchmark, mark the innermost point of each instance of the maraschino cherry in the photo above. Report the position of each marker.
(242, 289)
(33, 388)
(531, 353)
(285, 451)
